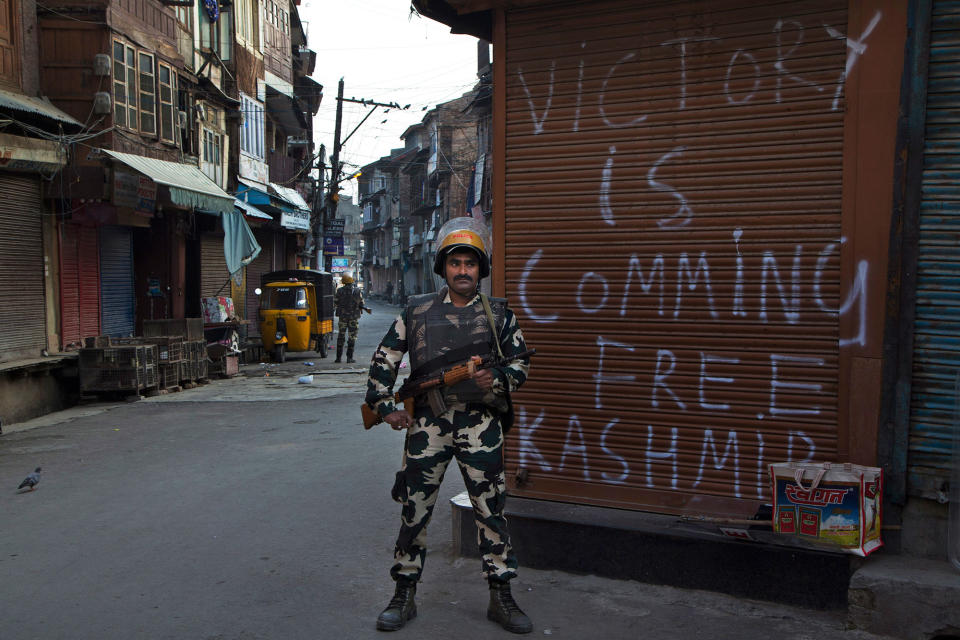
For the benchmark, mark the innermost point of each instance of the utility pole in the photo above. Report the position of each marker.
(330, 211)
(333, 193)
(317, 223)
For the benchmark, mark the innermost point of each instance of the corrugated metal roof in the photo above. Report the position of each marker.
(291, 196)
(41, 106)
(188, 185)
(251, 210)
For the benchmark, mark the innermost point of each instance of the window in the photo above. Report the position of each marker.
(217, 36)
(188, 134)
(434, 145)
(212, 162)
(211, 145)
(124, 85)
(284, 298)
(278, 17)
(135, 87)
(252, 133)
(148, 95)
(167, 83)
(184, 16)
(248, 22)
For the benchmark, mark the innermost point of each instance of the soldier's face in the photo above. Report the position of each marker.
(462, 272)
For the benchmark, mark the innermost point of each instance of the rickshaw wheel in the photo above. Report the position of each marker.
(322, 344)
(280, 353)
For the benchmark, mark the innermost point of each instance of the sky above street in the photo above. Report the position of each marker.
(383, 53)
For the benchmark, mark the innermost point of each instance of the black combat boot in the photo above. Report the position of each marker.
(401, 607)
(503, 609)
(350, 355)
(339, 354)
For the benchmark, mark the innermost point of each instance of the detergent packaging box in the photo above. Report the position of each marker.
(835, 504)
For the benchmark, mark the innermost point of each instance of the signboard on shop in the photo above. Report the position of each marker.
(333, 228)
(296, 219)
(339, 265)
(332, 246)
(134, 191)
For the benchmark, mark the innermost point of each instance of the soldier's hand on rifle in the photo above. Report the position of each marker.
(398, 419)
(484, 379)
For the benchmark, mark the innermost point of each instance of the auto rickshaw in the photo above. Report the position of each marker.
(296, 311)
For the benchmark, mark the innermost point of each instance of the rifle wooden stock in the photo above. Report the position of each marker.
(449, 377)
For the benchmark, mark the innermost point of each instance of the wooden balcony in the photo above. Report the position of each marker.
(282, 168)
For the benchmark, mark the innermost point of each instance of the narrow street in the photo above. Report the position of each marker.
(258, 508)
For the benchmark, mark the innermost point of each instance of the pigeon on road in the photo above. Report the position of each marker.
(31, 480)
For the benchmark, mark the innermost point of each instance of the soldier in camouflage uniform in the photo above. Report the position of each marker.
(462, 421)
(348, 302)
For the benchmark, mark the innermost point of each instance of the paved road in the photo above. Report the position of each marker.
(258, 508)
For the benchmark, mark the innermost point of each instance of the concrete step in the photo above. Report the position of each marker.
(741, 561)
(906, 597)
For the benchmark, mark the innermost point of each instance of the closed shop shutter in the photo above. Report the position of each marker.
(263, 264)
(936, 355)
(22, 310)
(116, 281)
(79, 283)
(671, 245)
(214, 277)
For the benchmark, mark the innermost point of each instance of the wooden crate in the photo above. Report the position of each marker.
(187, 328)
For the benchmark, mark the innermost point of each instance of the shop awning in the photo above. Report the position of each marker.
(251, 210)
(258, 194)
(13, 101)
(189, 187)
(291, 195)
(299, 218)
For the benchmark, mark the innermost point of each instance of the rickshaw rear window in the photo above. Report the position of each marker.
(284, 298)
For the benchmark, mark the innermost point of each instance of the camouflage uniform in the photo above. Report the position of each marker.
(348, 302)
(468, 431)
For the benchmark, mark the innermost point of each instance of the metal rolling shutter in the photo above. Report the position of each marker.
(671, 247)
(936, 357)
(263, 264)
(22, 310)
(214, 277)
(116, 281)
(79, 283)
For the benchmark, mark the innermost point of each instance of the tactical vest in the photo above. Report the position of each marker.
(347, 300)
(440, 335)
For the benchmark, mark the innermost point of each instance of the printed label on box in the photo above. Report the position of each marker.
(787, 519)
(809, 522)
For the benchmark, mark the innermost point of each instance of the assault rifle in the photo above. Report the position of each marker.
(413, 387)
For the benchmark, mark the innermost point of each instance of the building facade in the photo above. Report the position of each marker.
(723, 230)
(158, 122)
